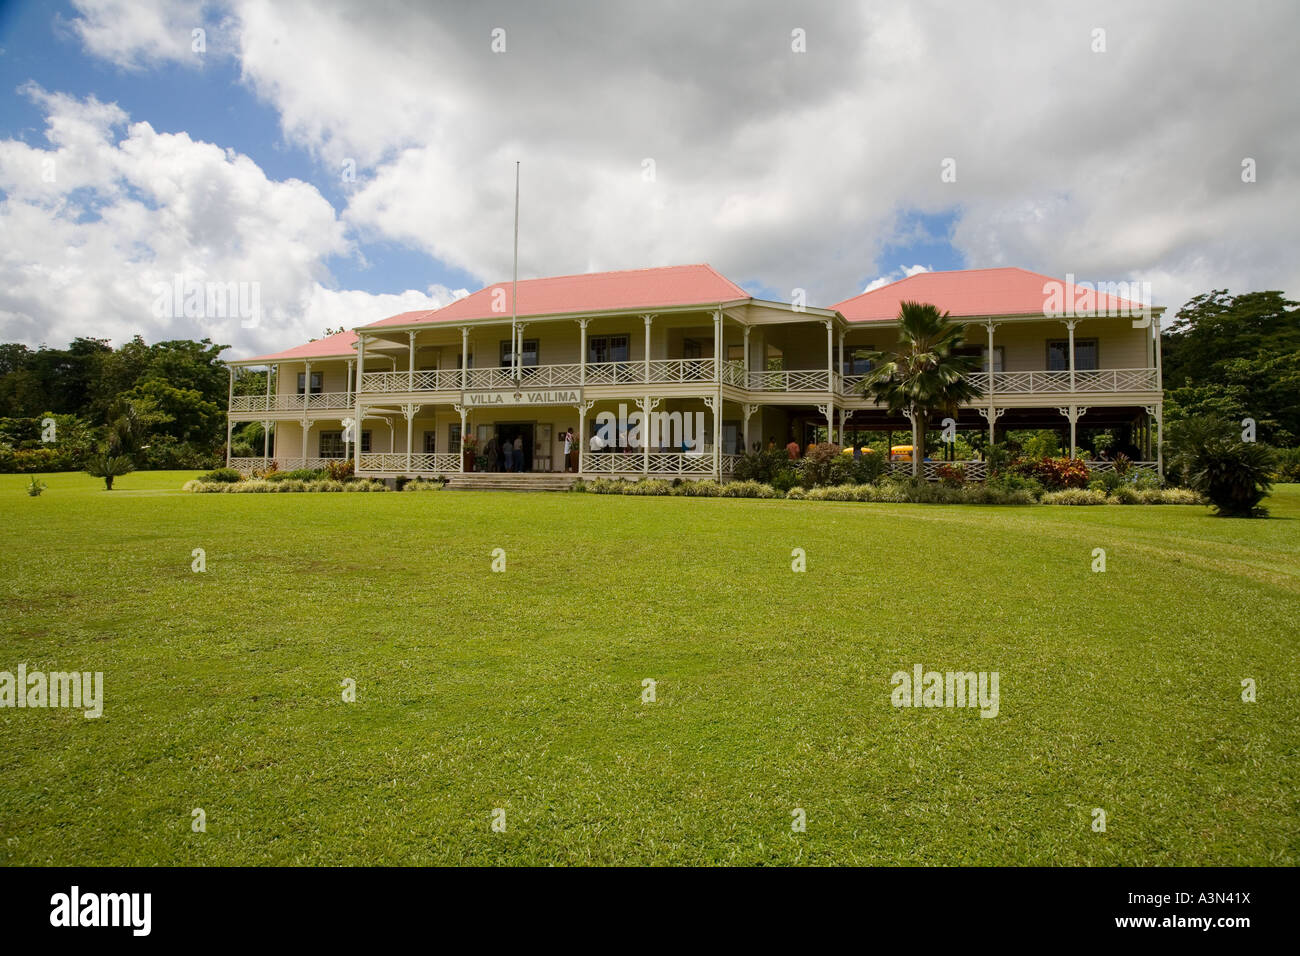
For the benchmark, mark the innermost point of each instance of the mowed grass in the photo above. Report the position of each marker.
(523, 690)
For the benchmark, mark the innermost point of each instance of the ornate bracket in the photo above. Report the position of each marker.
(997, 413)
(648, 404)
(750, 410)
(710, 402)
(409, 410)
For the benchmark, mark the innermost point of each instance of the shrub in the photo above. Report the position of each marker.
(108, 466)
(35, 487)
(1055, 474)
(952, 475)
(989, 494)
(1170, 496)
(1126, 495)
(700, 489)
(222, 475)
(749, 489)
(423, 484)
(869, 468)
(649, 486)
(340, 469)
(1074, 496)
(290, 484)
(1288, 465)
(1010, 482)
(796, 494)
(1233, 474)
(298, 474)
(815, 467)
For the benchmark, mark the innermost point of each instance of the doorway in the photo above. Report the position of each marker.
(508, 432)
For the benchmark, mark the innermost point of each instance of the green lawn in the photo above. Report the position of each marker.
(522, 690)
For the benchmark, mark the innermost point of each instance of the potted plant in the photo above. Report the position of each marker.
(468, 447)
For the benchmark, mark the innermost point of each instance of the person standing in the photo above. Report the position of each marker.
(792, 449)
(568, 451)
(508, 455)
(519, 452)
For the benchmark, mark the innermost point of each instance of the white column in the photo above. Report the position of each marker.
(410, 362)
(464, 361)
(582, 357)
(409, 411)
(306, 428)
(744, 382)
(348, 387)
(1069, 326)
(839, 369)
(749, 413)
(266, 425)
(356, 421)
(230, 400)
(306, 387)
(647, 319)
(830, 359)
(583, 408)
(462, 410)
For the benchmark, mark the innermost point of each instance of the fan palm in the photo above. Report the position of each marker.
(923, 374)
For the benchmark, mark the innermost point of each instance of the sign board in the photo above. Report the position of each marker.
(524, 396)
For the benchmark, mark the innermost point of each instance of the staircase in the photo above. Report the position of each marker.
(506, 481)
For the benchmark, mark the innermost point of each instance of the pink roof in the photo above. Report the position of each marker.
(331, 346)
(969, 292)
(593, 292)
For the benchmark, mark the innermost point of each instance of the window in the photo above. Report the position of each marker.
(774, 359)
(529, 356)
(691, 349)
(607, 348)
(856, 361)
(316, 382)
(736, 353)
(333, 446)
(431, 442)
(1058, 355)
(453, 438)
(981, 354)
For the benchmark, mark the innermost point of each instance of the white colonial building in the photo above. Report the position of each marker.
(691, 346)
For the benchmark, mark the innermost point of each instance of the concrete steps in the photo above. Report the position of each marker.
(502, 481)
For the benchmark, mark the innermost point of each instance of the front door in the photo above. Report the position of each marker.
(508, 432)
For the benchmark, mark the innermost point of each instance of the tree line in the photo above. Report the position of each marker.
(1232, 357)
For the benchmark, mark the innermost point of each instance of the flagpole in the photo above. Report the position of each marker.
(514, 290)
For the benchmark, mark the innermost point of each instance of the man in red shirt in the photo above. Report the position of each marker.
(792, 449)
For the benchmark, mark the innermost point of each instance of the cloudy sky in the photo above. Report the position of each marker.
(350, 160)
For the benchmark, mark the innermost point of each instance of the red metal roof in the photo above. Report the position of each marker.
(967, 292)
(331, 346)
(593, 292)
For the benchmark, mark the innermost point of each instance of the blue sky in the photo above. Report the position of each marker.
(814, 169)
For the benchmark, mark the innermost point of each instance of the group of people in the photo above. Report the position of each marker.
(505, 454)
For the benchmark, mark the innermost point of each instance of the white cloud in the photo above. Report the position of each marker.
(137, 33)
(792, 169)
(93, 227)
(902, 272)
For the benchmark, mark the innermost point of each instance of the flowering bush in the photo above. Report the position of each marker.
(1055, 474)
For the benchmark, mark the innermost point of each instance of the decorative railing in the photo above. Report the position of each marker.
(733, 373)
(673, 371)
(1096, 467)
(614, 463)
(680, 463)
(550, 376)
(973, 469)
(246, 466)
(786, 380)
(428, 380)
(729, 463)
(1057, 382)
(291, 403)
(416, 463)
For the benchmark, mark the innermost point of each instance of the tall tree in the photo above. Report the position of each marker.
(923, 374)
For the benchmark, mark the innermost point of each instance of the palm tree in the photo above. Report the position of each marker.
(108, 466)
(922, 374)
